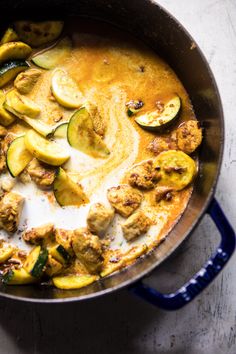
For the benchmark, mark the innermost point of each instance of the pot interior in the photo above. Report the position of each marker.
(149, 22)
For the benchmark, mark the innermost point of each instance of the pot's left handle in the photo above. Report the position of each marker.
(204, 277)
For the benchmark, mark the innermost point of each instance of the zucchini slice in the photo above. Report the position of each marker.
(66, 90)
(18, 277)
(50, 58)
(134, 107)
(162, 117)
(18, 156)
(14, 50)
(61, 131)
(6, 118)
(67, 192)
(45, 150)
(35, 261)
(22, 104)
(177, 170)
(59, 253)
(10, 69)
(9, 36)
(81, 136)
(5, 253)
(73, 281)
(38, 33)
(53, 267)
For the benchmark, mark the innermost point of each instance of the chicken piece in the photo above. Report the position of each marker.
(26, 80)
(144, 175)
(38, 235)
(99, 218)
(10, 211)
(53, 267)
(161, 144)
(163, 192)
(99, 123)
(24, 177)
(136, 225)
(42, 174)
(7, 183)
(188, 136)
(124, 199)
(4, 145)
(64, 238)
(88, 249)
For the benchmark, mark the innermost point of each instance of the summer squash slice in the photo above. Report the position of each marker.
(10, 69)
(50, 58)
(45, 150)
(18, 277)
(9, 36)
(59, 253)
(18, 156)
(35, 261)
(65, 90)
(5, 253)
(67, 192)
(38, 33)
(74, 281)
(6, 118)
(81, 135)
(162, 117)
(22, 104)
(14, 50)
(61, 131)
(177, 170)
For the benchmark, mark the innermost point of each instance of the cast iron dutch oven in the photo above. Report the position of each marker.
(158, 29)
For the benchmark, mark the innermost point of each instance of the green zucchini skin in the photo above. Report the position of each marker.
(65, 255)
(36, 261)
(10, 69)
(8, 277)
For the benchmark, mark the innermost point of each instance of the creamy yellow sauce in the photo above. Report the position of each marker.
(111, 69)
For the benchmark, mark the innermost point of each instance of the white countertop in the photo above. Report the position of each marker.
(122, 323)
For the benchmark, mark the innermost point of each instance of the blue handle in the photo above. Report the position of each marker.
(204, 277)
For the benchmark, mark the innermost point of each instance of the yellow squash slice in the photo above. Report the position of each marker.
(14, 50)
(45, 150)
(6, 253)
(18, 156)
(38, 33)
(22, 104)
(66, 90)
(9, 36)
(50, 58)
(6, 118)
(73, 281)
(18, 277)
(10, 69)
(177, 170)
(67, 192)
(81, 135)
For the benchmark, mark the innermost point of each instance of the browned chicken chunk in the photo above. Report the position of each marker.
(42, 174)
(188, 136)
(136, 225)
(64, 238)
(124, 199)
(163, 192)
(4, 145)
(3, 131)
(37, 235)
(144, 175)
(10, 211)
(26, 80)
(99, 218)
(161, 144)
(88, 249)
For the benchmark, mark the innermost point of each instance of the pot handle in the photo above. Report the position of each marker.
(204, 277)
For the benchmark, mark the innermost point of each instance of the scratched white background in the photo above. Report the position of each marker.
(122, 323)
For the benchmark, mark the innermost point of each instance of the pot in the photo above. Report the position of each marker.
(158, 29)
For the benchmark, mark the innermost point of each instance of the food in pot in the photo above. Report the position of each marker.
(98, 152)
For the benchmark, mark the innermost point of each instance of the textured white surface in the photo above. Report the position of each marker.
(122, 323)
